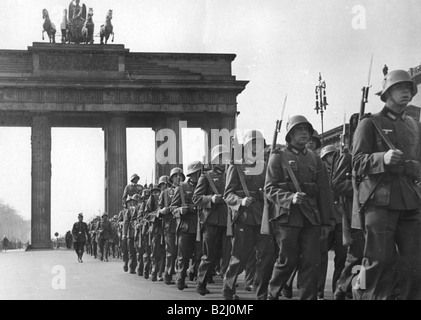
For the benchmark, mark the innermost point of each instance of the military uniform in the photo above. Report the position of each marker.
(130, 190)
(144, 254)
(128, 218)
(392, 219)
(104, 230)
(94, 243)
(80, 234)
(246, 230)
(297, 227)
(342, 187)
(156, 233)
(213, 222)
(186, 228)
(170, 227)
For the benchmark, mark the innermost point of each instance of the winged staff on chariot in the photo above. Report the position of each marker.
(77, 25)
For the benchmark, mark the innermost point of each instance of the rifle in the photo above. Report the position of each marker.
(365, 90)
(278, 126)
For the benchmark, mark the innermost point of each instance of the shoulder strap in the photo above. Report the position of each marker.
(242, 180)
(417, 133)
(211, 183)
(381, 133)
(165, 195)
(313, 158)
(290, 172)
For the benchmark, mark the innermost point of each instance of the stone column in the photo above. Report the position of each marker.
(172, 140)
(41, 183)
(115, 163)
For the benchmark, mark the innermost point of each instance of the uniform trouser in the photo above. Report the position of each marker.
(103, 248)
(157, 253)
(170, 252)
(248, 238)
(186, 251)
(129, 253)
(333, 241)
(79, 248)
(213, 238)
(386, 231)
(250, 270)
(94, 248)
(296, 244)
(354, 258)
(139, 255)
(146, 254)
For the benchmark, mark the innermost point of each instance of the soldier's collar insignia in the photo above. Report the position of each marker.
(296, 150)
(391, 114)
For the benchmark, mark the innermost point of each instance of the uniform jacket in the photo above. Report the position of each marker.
(308, 169)
(130, 190)
(211, 213)
(234, 194)
(341, 180)
(169, 220)
(185, 222)
(80, 232)
(397, 189)
(155, 221)
(104, 230)
(128, 219)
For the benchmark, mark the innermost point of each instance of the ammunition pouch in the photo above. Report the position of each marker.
(311, 189)
(379, 197)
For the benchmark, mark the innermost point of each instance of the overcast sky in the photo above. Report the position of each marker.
(281, 47)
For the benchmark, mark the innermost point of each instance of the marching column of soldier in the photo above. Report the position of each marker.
(272, 224)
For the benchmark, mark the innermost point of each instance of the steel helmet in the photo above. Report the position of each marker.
(155, 188)
(394, 77)
(219, 149)
(133, 177)
(316, 137)
(104, 215)
(130, 198)
(137, 197)
(194, 167)
(175, 171)
(251, 135)
(163, 179)
(326, 150)
(295, 120)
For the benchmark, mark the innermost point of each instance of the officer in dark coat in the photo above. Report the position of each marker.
(186, 213)
(244, 195)
(104, 231)
(80, 234)
(213, 214)
(170, 223)
(128, 217)
(386, 161)
(302, 215)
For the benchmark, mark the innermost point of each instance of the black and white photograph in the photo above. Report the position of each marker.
(203, 151)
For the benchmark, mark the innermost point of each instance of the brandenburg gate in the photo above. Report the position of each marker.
(109, 87)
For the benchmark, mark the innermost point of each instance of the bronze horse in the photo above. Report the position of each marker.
(88, 28)
(107, 29)
(48, 27)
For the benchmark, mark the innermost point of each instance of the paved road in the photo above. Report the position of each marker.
(40, 274)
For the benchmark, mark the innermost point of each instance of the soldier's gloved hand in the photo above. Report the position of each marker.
(392, 157)
(217, 198)
(184, 209)
(299, 197)
(247, 201)
(164, 211)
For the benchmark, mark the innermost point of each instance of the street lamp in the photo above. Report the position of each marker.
(321, 101)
